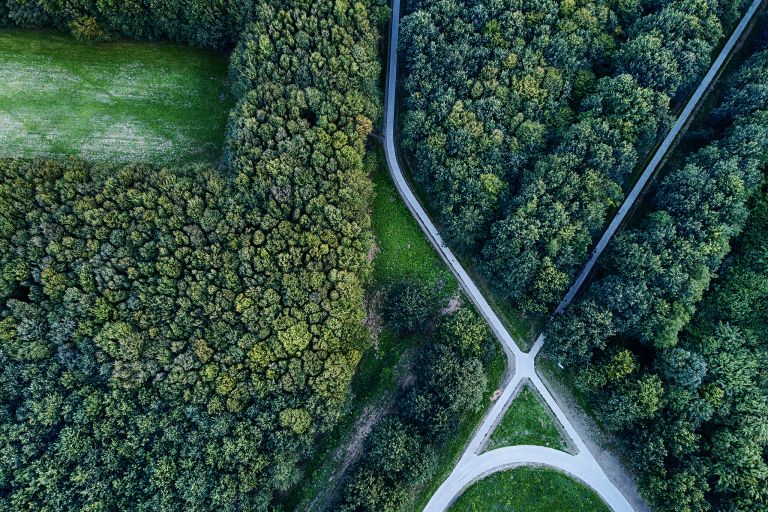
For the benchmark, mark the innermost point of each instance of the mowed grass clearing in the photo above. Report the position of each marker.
(527, 421)
(118, 102)
(402, 250)
(529, 489)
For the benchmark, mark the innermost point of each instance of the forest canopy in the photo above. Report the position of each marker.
(685, 390)
(525, 122)
(176, 338)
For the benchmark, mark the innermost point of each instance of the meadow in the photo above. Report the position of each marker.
(531, 490)
(118, 101)
(527, 421)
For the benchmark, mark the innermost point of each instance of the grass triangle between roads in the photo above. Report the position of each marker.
(528, 421)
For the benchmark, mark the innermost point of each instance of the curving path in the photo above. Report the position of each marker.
(473, 465)
(581, 467)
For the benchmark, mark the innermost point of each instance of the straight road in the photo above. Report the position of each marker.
(661, 152)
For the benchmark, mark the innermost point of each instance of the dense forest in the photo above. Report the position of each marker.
(177, 338)
(448, 380)
(216, 24)
(525, 122)
(685, 390)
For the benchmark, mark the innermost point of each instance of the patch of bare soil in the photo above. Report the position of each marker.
(373, 251)
(350, 451)
(372, 303)
(454, 303)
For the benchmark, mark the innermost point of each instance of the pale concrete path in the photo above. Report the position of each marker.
(474, 465)
(661, 152)
(581, 467)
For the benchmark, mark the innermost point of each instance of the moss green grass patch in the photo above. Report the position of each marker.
(120, 101)
(527, 421)
(526, 489)
(402, 249)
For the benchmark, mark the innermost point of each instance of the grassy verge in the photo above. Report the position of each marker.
(120, 101)
(527, 489)
(527, 422)
(567, 380)
(522, 328)
(402, 249)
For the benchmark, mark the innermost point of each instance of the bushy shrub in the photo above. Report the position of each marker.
(87, 28)
(410, 305)
(400, 453)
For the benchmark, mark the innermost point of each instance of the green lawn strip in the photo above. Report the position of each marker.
(403, 250)
(566, 380)
(529, 489)
(527, 421)
(449, 454)
(119, 101)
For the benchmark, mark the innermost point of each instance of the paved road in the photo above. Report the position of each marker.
(580, 467)
(690, 107)
(415, 207)
(473, 465)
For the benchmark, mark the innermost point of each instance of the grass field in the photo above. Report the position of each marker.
(527, 489)
(121, 101)
(527, 421)
(403, 251)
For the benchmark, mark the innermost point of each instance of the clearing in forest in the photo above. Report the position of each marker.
(529, 489)
(119, 101)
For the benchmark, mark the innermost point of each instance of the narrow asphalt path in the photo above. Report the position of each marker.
(474, 465)
(661, 152)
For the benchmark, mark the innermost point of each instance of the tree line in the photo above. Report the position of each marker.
(525, 124)
(684, 390)
(177, 338)
(196, 22)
